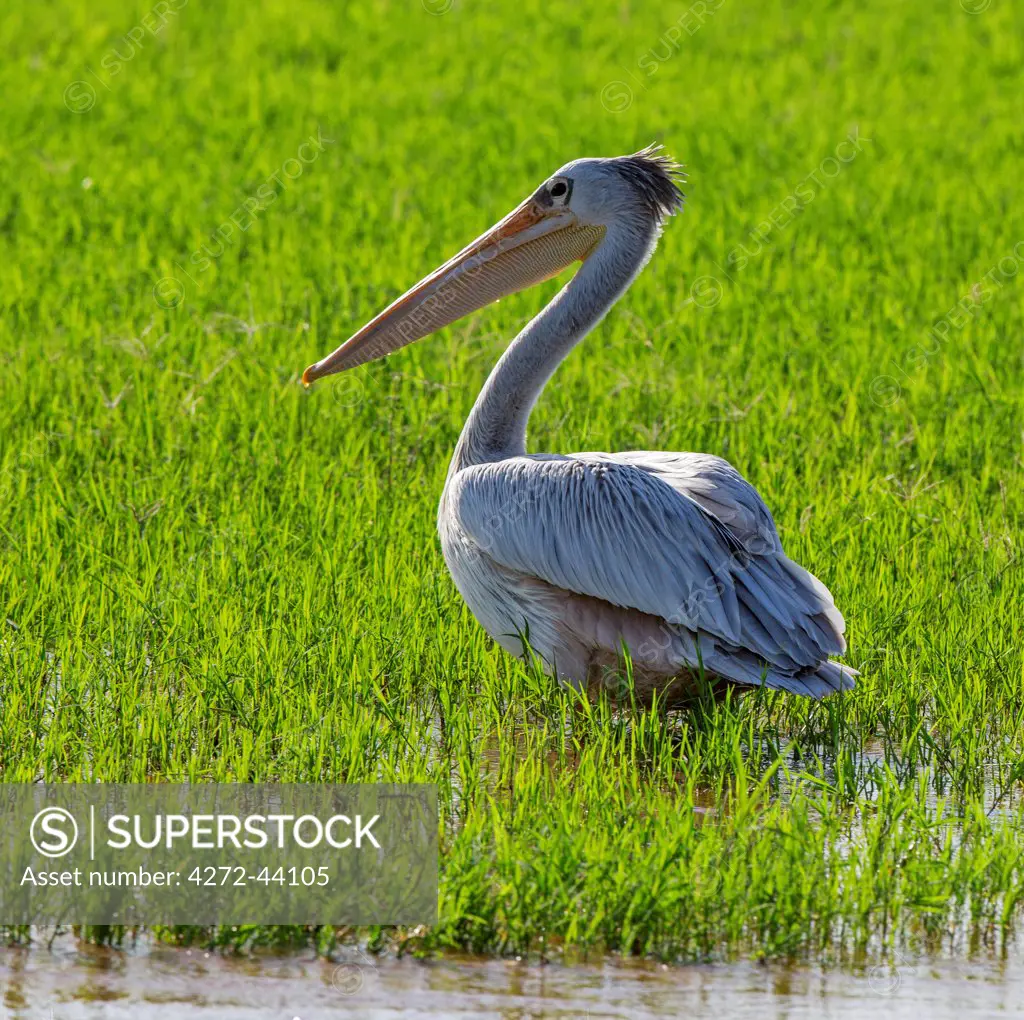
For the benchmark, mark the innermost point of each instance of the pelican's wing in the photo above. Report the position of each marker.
(715, 485)
(643, 537)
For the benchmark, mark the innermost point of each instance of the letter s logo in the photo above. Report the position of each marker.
(54, 832)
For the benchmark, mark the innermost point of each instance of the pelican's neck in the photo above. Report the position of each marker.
(496, 427)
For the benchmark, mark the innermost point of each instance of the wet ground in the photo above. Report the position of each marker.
(72, 982)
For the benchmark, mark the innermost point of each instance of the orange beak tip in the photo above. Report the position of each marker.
(307, 379)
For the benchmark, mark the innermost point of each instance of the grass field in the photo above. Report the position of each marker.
(208, 573)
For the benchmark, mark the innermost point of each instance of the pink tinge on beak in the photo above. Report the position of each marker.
(528, 246)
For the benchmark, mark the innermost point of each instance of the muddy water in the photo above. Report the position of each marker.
(71, 982)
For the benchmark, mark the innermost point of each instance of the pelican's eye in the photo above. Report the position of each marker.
(559, 189)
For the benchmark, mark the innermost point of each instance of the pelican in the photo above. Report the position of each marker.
(671, 559)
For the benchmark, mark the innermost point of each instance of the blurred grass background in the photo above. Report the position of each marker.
(207, 573)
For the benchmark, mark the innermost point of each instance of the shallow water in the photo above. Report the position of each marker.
(71, 982)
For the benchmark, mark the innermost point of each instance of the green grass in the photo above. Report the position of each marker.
(208, 574)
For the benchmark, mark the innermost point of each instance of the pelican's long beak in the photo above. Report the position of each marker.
(531, 244)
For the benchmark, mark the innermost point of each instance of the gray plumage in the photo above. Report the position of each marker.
(656, 179)
(680, 549)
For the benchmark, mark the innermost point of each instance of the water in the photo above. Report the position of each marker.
(75, 982)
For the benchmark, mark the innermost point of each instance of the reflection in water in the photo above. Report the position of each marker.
(76, 982)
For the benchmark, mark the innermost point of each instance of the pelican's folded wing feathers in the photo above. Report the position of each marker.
(681, 537)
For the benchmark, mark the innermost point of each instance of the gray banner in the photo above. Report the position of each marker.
(218, 854)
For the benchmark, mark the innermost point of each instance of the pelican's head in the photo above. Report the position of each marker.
(637, 191)
(562, 222)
